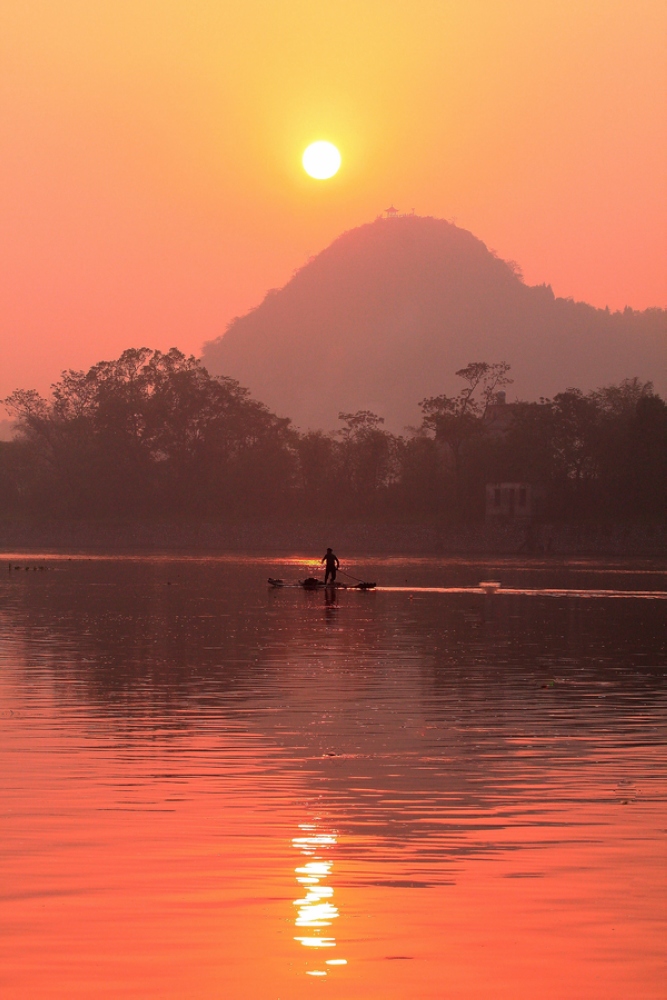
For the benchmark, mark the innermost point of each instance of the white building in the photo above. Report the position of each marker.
(511, 501)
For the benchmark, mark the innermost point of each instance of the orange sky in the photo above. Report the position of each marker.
(150, 178)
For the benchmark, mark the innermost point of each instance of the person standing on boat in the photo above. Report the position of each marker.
(332, 565)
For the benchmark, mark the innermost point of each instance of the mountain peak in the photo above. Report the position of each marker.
(385, 315)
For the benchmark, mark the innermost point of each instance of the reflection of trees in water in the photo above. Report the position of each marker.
(461, 707)
(516, 697)
(419, 720)
(159, 634)
(143, 638)
(519, 646)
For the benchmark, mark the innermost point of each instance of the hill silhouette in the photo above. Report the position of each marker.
(389, 311)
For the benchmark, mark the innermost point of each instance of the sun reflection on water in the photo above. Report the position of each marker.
(316, 910)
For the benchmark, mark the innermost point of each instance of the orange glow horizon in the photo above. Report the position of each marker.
(151, 184)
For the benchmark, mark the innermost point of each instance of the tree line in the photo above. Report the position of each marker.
(152, 434)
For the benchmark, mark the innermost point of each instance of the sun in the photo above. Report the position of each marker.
(321, 160)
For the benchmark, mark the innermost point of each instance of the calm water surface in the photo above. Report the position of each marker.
(211, 789)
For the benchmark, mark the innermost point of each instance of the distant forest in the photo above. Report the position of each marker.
(153, 435)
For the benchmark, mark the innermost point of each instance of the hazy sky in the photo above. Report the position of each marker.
(150, 178)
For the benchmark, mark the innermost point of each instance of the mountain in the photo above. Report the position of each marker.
(389, 311)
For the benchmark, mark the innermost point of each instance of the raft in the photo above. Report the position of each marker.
(312, 583)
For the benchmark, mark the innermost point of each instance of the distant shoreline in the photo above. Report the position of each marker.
(362, 538)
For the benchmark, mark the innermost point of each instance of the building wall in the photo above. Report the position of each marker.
(509, 500)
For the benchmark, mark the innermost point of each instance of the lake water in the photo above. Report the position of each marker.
(214, 789)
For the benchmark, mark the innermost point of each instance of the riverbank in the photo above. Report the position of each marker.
(280, 537)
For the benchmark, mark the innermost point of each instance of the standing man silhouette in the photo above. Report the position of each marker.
(332, 565)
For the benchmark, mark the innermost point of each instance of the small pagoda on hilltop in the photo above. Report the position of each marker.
(393, 213)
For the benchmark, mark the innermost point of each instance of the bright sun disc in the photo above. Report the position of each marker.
(321, 160)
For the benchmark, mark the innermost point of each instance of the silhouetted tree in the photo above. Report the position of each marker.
(456, 421)
(368, 458)
(154, 432)
(319, 471)
(585, 450)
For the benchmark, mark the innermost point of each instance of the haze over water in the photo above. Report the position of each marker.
(212, 789)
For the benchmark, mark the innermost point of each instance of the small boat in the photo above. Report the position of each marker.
(489, 586)
(312, 583)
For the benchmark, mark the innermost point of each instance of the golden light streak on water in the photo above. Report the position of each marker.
(315, 910)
